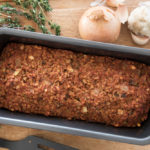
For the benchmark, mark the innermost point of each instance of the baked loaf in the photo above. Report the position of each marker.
(54, 82)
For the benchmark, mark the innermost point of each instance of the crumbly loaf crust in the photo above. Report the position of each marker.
(41, 80)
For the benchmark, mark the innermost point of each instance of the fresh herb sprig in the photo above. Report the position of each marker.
(32, 10)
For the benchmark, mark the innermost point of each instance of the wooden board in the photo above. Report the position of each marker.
(82, 143)
(67, 13)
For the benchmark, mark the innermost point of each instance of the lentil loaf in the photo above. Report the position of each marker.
(53, 82)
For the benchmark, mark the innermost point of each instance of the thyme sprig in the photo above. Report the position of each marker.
(32, 10)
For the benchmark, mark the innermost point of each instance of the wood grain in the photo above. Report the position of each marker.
(82, 143)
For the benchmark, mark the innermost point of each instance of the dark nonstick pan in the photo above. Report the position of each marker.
(139, 136)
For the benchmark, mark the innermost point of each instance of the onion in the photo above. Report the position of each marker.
(99, 24)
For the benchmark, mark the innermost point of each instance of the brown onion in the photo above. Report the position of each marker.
(99, 24)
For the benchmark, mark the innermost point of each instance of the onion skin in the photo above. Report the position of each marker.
(122, 12)
(99, 24)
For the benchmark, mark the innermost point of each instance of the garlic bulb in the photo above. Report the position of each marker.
(139, 23)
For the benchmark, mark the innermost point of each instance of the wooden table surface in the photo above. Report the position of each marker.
(67, 14)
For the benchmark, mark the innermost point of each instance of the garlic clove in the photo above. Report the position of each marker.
(140, 40)
(122, 12)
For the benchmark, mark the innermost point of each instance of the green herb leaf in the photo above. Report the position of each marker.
(32, 10)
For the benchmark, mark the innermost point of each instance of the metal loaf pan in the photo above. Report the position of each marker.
(140, 136)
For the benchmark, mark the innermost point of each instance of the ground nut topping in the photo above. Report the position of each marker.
(95, 92)
(16, 72)
(133, 67)
(55, 82)
(31, 57)
(22, 47)
(124, 88)
(84, 109)
(120, 112)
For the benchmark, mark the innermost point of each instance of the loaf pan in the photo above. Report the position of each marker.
(139, 135)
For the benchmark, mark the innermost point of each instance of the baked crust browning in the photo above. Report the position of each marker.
(54, 82)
